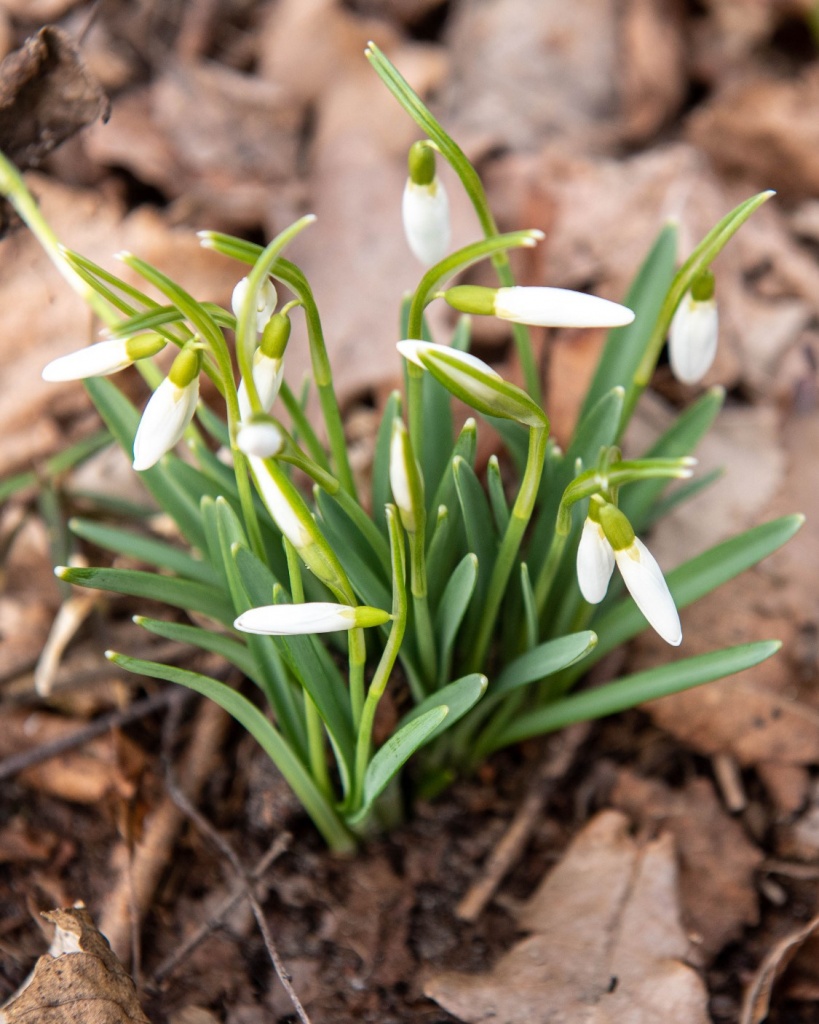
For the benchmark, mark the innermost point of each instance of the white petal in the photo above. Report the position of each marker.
(559, 307)
(267, 375)
(94, 361)
(399, 481)
(595, 562)
(648, 587)
(425, 209)
(265, 301)
(263, 440)
(412, 350)
(692, 339)
(167, 414)
(278, 506)
(284, 619)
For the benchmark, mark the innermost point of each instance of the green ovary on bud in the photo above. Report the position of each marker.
(169, 410)
(103, 358)
(421, 163)
(275, 336)
(615, 526)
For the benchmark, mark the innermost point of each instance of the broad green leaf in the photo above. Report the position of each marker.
(397, 750)
(452, 608)
(542, 661)
(636, 689)
(145, 549)
(625, 346)
(460, 697)
(186, 594)
(381, 493)
(263, 731)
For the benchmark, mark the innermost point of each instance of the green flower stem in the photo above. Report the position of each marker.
(388, 658)
(315, 728)
(302, 426)
(432, 280)
(473, 186)
(507, 553)
(699, 260)
(357, 660)
(548, 571)
(424, 631)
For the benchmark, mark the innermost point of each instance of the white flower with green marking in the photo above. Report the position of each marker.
(102, 359)
(169, 410)
(312, 617)
(539, 307)
(425, 207)
(692, 337)
(265, 301)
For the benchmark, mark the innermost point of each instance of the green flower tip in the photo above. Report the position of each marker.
(421, 163)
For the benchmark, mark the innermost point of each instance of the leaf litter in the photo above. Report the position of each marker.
(356, 938)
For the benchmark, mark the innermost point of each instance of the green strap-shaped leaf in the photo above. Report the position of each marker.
(530, 629)
(144, 549)
(460, 697)
(452, 608)
(206, 640)
(497, 495)
(392, 756)
(480, 530)
(186, 594)
(635, 689)
(263, 731)
(542, 661)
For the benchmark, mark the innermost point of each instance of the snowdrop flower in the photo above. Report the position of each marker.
(265, 301)
(607, 526)
(539, 307)
(692, 337)
(425, 207)
(103, 358)
(169, 410)
(261, 437)
(268, 365)
(283, 503)
(474, 382)
(312, 617)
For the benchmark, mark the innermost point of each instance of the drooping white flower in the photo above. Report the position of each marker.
(608, 537)
(169, 410)
(692, 337)
(265, 301)
(102, 359)
(539, 307)
(425, 207)
(311, 617)
(595, 562)
(647, 585)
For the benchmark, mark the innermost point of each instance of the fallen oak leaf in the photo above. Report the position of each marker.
(79, 980)
(607, 944)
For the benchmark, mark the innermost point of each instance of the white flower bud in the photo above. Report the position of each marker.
(167, 414)
(692, 338)
(101, 359)
(425, 210)
(265, 301)
(312, 617)
(595, 562)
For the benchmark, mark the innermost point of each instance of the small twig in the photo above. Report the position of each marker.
(236, 895)
(167, 697)
(511, 844)
(246, 883)
(729, 779)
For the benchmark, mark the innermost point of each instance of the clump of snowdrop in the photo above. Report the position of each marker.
(484, 592)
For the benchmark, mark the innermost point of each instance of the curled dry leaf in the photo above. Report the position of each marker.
(606, 944)
(79, 980)
(758, 994)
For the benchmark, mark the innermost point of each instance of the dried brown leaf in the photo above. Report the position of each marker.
(758, 995)
(607, 944)
(79, 981)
